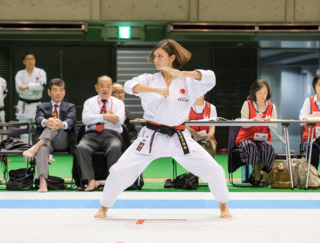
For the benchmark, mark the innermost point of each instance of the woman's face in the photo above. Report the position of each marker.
(162, 59)
(261, 94)
(317, 87)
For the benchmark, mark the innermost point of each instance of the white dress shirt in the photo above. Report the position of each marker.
(91, 113)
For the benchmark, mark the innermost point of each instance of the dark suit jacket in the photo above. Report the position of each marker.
(130, 126)
(67, 114)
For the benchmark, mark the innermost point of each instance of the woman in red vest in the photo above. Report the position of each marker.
(255, 141)
(204, 135)
(311, 108)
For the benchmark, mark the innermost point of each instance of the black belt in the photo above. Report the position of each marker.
(29, 101)
(168, 131)
(1, 108)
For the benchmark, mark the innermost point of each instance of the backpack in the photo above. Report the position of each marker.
(20, 180)
(187, 181)
(53, 183)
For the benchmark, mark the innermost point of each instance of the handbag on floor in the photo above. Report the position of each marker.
(20, 180)
(137, 185)
(53, 183)
(300, 172)
(187, 181)
(280, 178)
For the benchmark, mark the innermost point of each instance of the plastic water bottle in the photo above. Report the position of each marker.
(246, 171)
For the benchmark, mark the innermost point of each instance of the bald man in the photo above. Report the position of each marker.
(103, 116)
(118, 92)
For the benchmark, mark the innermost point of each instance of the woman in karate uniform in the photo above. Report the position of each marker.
(166, 98)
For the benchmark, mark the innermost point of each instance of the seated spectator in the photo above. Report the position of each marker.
(204, 135)
(55, 122)
(118, 92)
(310, 109)
(103, 116)
(255, 141)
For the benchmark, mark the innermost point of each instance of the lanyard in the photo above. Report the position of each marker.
(258, 112)
(317, 105)
(201, 117)
(106, 105)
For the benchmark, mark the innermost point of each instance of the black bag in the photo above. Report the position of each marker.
(137, 185)
(53, 183)
(20, 180)
(187, 181)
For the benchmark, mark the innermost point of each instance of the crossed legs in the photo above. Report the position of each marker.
(29, 154)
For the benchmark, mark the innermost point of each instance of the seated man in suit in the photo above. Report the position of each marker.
(118, 92)
(55, 122)
(103, 116)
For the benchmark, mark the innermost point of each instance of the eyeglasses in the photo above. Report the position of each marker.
(118, 92)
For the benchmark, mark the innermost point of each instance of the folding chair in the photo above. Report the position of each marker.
(234, 161)
(14, 129)
(100, 166)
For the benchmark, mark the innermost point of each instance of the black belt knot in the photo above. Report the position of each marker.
(168, 131)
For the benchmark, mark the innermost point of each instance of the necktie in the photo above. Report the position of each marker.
(55, 112)
(100, 126)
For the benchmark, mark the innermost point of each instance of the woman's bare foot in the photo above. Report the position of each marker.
(102, 212)
(43, 185)
(225, 213)
(91, 186)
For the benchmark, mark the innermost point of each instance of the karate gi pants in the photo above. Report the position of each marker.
(131, 164)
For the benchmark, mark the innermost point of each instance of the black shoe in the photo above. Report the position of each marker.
(257, 183)
(168, 183)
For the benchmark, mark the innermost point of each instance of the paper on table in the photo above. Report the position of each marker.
(313, 119)
(213, 119)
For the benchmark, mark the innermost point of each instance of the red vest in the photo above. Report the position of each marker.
(313, 107)
(205, 114)
(248, 133)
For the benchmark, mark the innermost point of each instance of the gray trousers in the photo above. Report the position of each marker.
(53, 141)
(106, 141)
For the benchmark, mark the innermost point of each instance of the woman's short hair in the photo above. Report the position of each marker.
(256, 86)
(172, 48)
(315, 81)
(56, 81)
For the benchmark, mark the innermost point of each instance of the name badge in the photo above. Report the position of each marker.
(317, 132)
(260, 137)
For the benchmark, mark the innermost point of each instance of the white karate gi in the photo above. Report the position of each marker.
(36, 83)
(3, 90)
(170, 111)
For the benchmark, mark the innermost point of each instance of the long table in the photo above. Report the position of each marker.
(284, 123)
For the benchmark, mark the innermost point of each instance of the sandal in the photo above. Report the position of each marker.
(257, 183)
